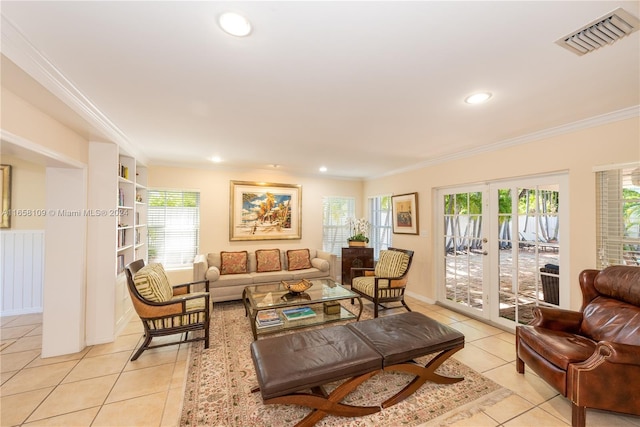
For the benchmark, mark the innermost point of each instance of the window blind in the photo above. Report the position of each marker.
(381, 226)
(174, 227)
(618, 216)
(336, 212)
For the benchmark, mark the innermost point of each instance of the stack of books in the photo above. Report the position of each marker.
(298, 313)
(268, 318)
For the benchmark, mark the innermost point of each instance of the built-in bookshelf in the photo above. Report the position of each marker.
(117, 235)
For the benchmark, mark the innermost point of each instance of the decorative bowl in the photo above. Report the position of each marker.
(297, 287)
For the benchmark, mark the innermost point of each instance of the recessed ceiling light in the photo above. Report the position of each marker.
(477, 98)
(216, 159)
(323, 169)
(235, 24)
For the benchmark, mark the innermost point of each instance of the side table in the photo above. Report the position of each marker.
(357, 258)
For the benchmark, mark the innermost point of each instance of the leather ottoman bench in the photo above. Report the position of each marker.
(291, 369)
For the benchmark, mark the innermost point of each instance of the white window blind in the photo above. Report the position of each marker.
(174, 227)
(336, 212)
(381, 227)
(618, 216)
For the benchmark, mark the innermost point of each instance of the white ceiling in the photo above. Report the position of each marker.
(363, 88)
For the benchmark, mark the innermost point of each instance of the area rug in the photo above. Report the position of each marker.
(220, 379)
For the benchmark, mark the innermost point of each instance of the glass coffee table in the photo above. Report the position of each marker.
(292, 311)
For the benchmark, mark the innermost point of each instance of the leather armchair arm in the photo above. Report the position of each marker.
(557, 319)
(608, 379)
(617, 353)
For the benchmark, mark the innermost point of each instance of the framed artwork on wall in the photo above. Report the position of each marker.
(265, 211)
(5, 185)
(405, 213)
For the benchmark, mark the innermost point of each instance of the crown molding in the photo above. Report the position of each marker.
(614, 116)
(25, 55)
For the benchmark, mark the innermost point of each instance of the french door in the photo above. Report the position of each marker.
(500, 248)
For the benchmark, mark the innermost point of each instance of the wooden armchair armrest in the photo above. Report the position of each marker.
(557, 319)
(177, 307)
(180, 289)
(360, 271)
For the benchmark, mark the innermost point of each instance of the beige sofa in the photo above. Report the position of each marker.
(229, 286)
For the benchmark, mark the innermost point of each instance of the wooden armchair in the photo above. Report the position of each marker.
(165, 309)
(591, 356)
(386, 282)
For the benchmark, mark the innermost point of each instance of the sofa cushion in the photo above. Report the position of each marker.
(271, 276)
(233, 262)
(392, 264)
(268, 260)
(298, 259)
(232, 280)
(152, 283)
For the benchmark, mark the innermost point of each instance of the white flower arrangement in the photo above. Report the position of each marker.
(359, 230)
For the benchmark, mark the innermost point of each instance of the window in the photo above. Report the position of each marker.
(174, 227)
(336, 212)
(618, 215)
(380, 218)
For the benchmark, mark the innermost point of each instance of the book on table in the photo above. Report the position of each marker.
(298, 313)
(266, 318)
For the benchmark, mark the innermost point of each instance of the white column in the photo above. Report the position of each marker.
(63, 330)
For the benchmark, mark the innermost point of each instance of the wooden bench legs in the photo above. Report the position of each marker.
(323, 404)
(329, 404)
(422, 375)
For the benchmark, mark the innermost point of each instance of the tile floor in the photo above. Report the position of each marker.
(101, 387)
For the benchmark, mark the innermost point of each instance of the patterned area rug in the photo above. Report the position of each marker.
(219, 382)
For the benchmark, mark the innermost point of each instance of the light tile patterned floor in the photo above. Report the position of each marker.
(101, 387)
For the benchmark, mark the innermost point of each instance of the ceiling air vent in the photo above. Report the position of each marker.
(601, 32)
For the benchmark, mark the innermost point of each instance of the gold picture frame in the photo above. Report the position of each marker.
(6, 196)
(405, 213)
(265, 211)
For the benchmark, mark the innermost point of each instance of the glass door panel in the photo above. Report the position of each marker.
(530, 256)
(463, 249)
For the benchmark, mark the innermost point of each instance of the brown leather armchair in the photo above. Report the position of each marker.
(592, 357)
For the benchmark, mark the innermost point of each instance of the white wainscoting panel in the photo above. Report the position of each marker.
(22, 271)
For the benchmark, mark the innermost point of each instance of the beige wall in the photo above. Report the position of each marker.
(214, 190)
(23, 119)
(576, 153)
(27, 193)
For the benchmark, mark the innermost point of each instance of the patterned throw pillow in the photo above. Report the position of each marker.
(392, 264)
(152, 283)
(298, 259)
(268, 260)
(233, 262)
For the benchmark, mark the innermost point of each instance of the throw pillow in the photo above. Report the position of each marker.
(268, 260)
(233, 262)
(392, 264)
(152, 283)
(298, 259)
